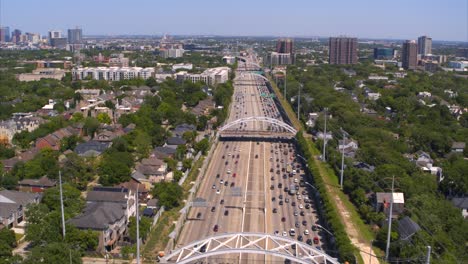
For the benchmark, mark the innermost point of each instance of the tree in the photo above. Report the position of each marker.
(77, 117)
(69, 142)
(91, 125)
(145, 225)
(7, 242)
(72, 201)
(180, 152)
(104, 118)
(57, 252)
(187, 164)
(202, 146)
(169, 194)
(115, 168)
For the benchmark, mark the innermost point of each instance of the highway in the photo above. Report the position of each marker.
(244, 187)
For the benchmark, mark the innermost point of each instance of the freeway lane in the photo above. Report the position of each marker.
(255, 170)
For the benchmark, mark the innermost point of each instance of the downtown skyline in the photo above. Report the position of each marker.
(297, 19)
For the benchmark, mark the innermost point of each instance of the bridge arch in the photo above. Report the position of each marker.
(261, 119)
(250, 243)
(254, 74)
(246, 61)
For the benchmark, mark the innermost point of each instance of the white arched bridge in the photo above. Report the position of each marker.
(283, 130)
(249, 243)
(241, 80)
(247, 62)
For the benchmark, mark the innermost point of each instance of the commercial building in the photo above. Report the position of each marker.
(171, 53)
(285, 46)
(54, 34)
(342, 50)
(409, 55)
(59, 43)
(462, 52)
(384, 53)
(42, 73)
(424, 45)
(460, 65)
(211, 76)
(16, 36)
(276, 58)
(118, 61)
(4, 34)
(112, 73)
(75, 36)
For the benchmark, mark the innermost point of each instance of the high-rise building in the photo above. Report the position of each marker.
(342, 50)
(4, 34)
(424, 45)
(384, 53)
(16, 36)
(59, 43)
(285, 46)
(462, 52)
(53, 34)
(75, 36)
(409, 54)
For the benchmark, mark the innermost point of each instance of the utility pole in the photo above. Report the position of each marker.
(285, 81)
(137, 226)
(325, 136)
(299, 103)
(61, 205)
(387, 249)
(370, 252)
(342, 158)
(428, 257)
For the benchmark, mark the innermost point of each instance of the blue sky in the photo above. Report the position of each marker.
(401, 19)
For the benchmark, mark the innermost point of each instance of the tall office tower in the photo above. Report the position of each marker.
(409, 54)
(4, 34)
(342, 50)
(285, 46)
(54, 34)
(424, 45)
(75, 36)
(16, 36)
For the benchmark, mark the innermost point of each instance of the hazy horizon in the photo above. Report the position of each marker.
(441, 20)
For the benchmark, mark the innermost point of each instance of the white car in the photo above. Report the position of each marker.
(218, 192)
(221, 181)
(284, 233)
(306, 232)
(301, 206)
(296, 180)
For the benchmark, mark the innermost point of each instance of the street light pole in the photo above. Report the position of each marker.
(342, 158)
(61, 205)
(285, 81)
(325, 136)
(387, 249)
(137, 226)
(299, 104)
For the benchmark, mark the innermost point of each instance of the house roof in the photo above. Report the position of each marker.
(166, 151)
(152, 202)
(386, 197)
(138, 176)
(132, 185)
(461, 203)
(17, 197)
(407, 228)
(108, 195)
(458, 145)
(92, 145)
(175, 141)
(43, 181)
(182, 128)
(152, 161)
(99, 215)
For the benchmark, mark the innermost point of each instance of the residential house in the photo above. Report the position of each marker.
(136, 185)
(364, 166)
(407, 228)
(106, 136)
(313, 117)
(163, 152)
(36, 185)
(461, 203)
(458, 147)
(182, 128)
(174, 142)
(109, 218)
(153, 168)
(52, 140)
(349, 147)
(118, 195)
(425, 163)
(92, 148)
(321, 135)
(18, 123)
(13, 205)
(383, 200)
(153, 204)
(203, 107)
(25, 156)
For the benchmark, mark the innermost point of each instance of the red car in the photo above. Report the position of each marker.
(316, 240)
(234, 175)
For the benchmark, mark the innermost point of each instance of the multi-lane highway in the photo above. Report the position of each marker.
(246, 186)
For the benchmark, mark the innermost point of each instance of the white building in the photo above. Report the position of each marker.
(211, 76)
(112, 73)
(172, 53)
(183, 66)
(229, 59)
